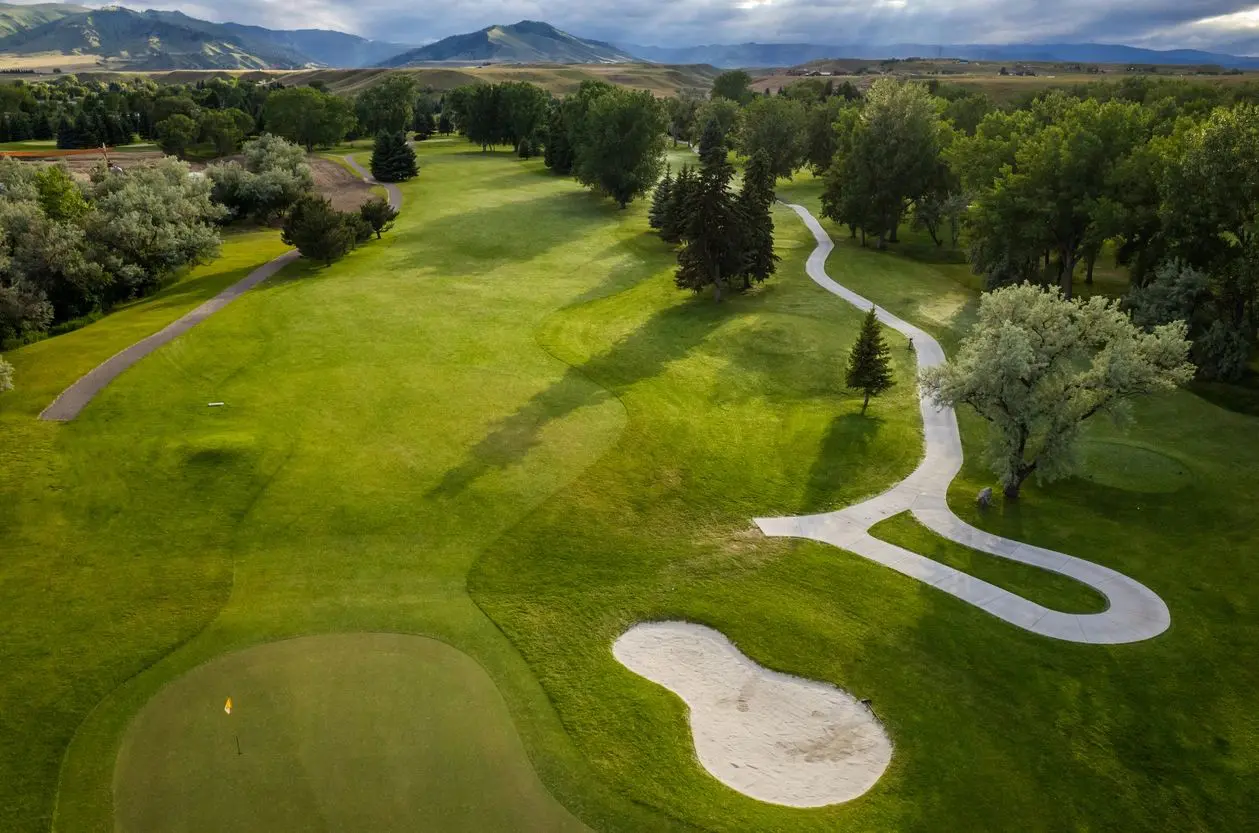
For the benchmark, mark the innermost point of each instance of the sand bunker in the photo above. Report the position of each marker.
(774, 737)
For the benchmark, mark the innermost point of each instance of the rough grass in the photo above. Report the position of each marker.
(508, 397)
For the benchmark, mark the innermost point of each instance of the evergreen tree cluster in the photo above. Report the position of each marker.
(320, 232)
(727, 237)
(393, 158)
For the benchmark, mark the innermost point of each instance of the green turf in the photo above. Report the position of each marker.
(1043, 587)
(507, 396)
(378, 732)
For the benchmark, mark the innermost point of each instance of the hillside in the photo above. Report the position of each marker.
(791, 54)
(150, 40)
(20, 18)
(526, 42)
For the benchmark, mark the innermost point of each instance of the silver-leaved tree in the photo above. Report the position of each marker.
(1037, 366)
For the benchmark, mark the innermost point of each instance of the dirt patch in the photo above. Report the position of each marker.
(346, 190)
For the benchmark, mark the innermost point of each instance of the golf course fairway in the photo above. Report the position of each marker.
(366, 731)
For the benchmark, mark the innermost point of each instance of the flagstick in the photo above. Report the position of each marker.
(237, 743)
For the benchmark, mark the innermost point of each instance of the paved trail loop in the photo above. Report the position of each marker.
(75, 398)
(1135, 612)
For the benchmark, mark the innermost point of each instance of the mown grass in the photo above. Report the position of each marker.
(503, 427)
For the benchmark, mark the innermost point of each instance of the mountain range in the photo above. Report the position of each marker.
(172, 40)
(155, 40)
(793, 54)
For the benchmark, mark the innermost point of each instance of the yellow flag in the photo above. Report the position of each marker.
(227, 707)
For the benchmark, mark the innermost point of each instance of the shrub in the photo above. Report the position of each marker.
(319, 231)
(378, 214)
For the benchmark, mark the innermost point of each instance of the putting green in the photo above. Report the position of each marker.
(375, 732)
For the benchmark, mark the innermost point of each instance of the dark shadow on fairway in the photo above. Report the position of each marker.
(667, 336)
(514, 230)
(843, 452)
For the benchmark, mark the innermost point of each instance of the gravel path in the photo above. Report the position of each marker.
(75, 398)
(1135, 612)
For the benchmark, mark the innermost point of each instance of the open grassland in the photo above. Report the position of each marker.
(561, 79)
(502, 427)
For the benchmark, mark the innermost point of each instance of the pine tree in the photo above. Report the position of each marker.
(756, 201)
(660, 201)
(319, 231)
(713, 253)
(673, 223)
(869, 363)
(379, 214)
(393, 158)
(67, 137)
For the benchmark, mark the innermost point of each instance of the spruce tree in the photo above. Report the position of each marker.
(67, 137)
(379, 214)
(869, 363)
(713, 253)
(712, 144)
(673, 224)
(660, 201)
(393, 158)
(756, 201)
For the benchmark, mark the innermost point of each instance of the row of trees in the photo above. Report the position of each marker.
(1043, 192)
(218, 112)
(320, 232)
(68, 249)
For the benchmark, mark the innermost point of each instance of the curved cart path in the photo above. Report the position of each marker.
(75, 398)
(1135, 612)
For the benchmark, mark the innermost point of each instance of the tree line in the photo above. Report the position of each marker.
(1160, 176)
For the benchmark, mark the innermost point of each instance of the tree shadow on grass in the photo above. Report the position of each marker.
(516, 230)
(666, 337)
(844, 447)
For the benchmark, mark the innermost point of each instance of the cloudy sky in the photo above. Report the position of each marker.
(1210, 24)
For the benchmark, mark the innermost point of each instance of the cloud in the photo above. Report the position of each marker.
(1159, 23)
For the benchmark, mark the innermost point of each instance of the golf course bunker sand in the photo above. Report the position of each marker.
(771, 736)
(365, 731)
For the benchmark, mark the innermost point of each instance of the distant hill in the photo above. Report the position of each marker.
(20, 18)
(156, 40)
(526, 42)
(792, 54)
(150, 40)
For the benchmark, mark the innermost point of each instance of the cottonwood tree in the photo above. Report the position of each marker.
(733, 85)
(755, 205)
(309, 117)
(870, 362)
(728, 115)
(176, 134)
(149, 222)
(1037, 366)
(6, 375)
(379, 214)
(319, 231)
(775, 126)
(225, 129)
(889, 159)
(622, 144)
(712, 254)
(274, 176)
(393, 158)
(388, 105)
(60, 196)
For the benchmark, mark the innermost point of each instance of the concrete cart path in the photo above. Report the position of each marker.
(1135, 612)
